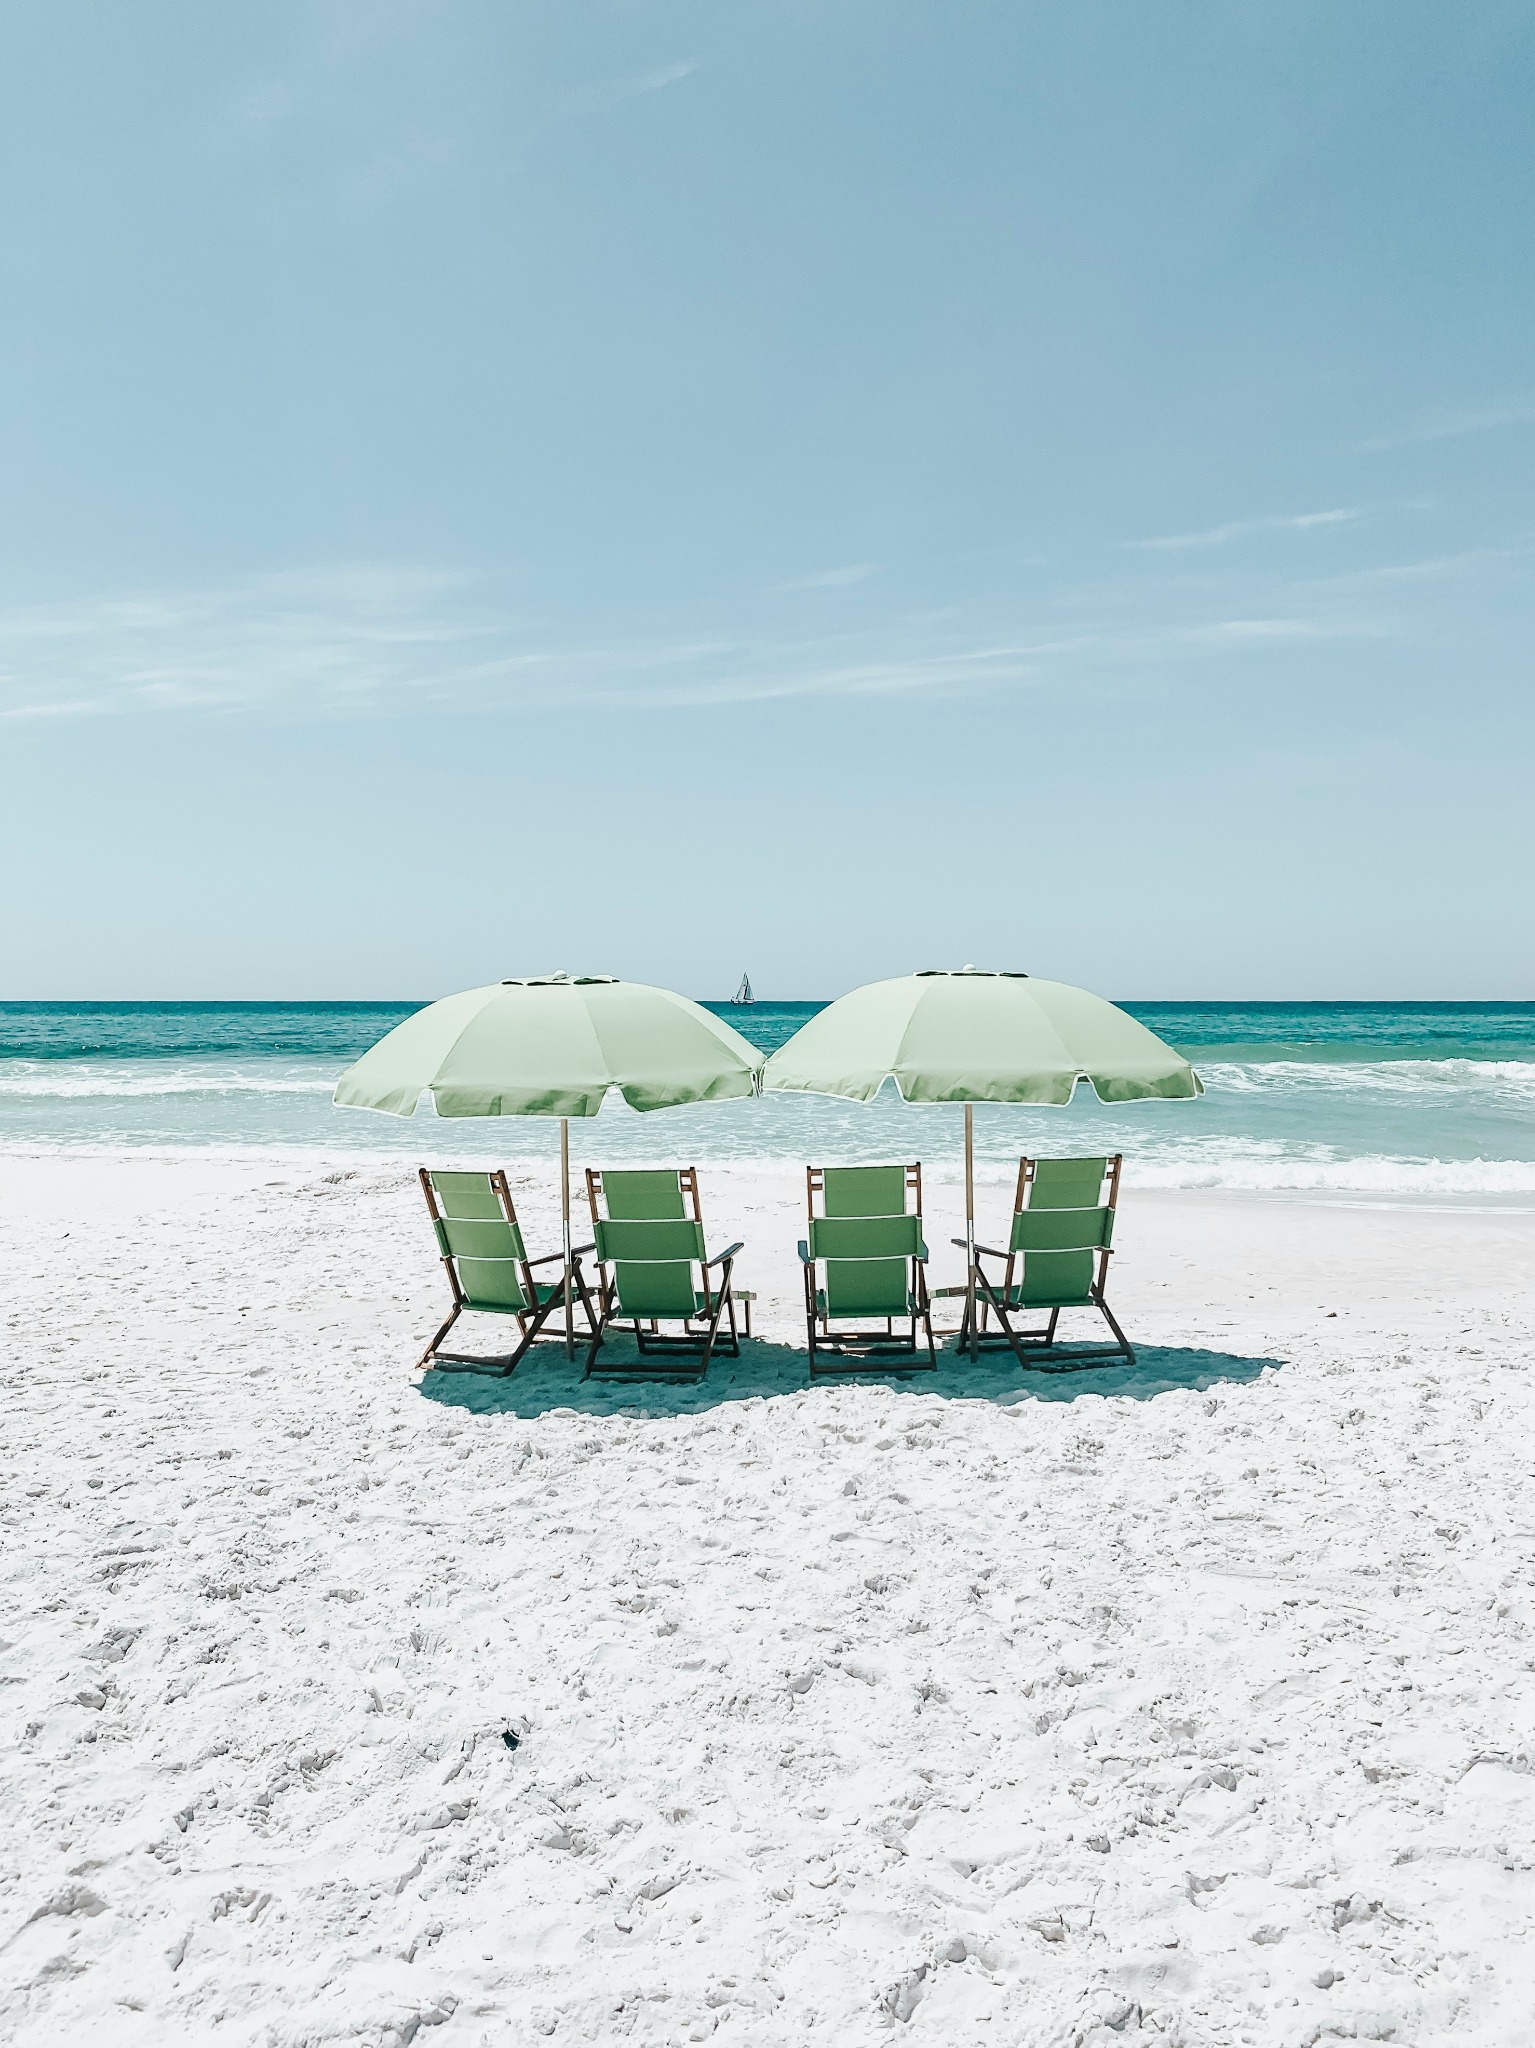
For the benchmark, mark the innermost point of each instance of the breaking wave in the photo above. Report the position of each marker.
(1419, 1128)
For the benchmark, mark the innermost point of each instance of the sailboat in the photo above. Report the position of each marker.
(744, 993)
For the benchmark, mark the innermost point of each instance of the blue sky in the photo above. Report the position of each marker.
(826, 489)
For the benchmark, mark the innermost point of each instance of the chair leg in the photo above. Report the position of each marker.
(586, 1299)
(925, 1311)
(599, 1331)
(1003, 1318)
(431, 1350)
(1124, 1342)
(536, 1322)
(1038, 1356)
(528, 1327)
(714, 1325)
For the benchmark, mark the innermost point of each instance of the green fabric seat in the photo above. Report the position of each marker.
(863, 1259)
(479, 1241)
(1057, 1256)
(907, 1306)
(655, 1267)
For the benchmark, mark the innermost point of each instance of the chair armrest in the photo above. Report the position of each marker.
(557, 1258)
(990, 1250)
(723, 1258)
(804, 1252)
(920, 1254)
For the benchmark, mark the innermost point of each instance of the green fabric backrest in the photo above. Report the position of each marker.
(666, 1242)
(466, 1194)
(865, 1237)
(647, 1193)
(867, 1261)
(486, 1250)
(864, 1190)
(652, 1262)
(1062, 1230)
(474, 1239)
(1067, 1183)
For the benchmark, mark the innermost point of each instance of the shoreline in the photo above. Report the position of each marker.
(941, 1162)
(232, 1167)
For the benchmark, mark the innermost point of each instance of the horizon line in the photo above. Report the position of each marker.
(759, 1002)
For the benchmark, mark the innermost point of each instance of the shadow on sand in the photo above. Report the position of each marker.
(546, 1381)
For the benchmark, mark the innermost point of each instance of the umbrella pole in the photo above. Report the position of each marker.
(570, 1323)
(975, 1338)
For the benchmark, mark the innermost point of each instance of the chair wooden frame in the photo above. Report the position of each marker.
(530, 1321)
(868, 1351)
(1037, 1349)
(684, 1356)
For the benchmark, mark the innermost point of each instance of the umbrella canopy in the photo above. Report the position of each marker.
(553, 1045)
(973, 1036)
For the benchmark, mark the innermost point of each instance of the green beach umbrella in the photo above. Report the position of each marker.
(975, 1036)
(553, 1045)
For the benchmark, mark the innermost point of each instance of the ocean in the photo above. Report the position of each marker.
(1376, 1101)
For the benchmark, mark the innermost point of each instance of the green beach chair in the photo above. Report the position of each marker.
(1057, 1258)
(865, 1243)
(649, 1228)
(480, 1244)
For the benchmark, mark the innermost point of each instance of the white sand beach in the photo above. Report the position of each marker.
(1188, 1705)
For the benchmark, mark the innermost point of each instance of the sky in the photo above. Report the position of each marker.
(823, 489)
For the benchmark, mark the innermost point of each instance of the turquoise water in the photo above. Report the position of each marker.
(1377, 1099)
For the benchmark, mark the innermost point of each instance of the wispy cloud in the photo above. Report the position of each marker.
(1466, 563)
(368, 641)
(1237, 529)
(351, 635)
(593, 99)
(1265, 632)
(831, 579)
(1446, 426)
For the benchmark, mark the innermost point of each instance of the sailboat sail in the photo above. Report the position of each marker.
(744, 993)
